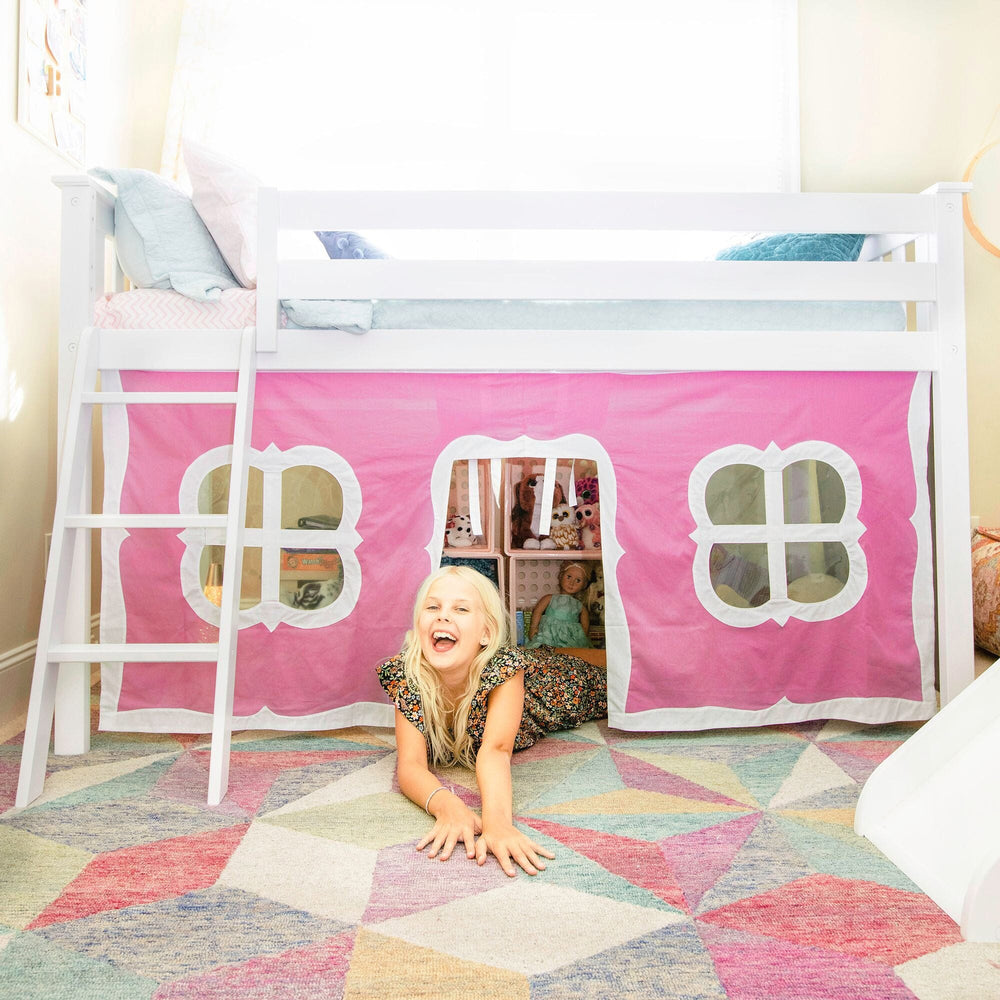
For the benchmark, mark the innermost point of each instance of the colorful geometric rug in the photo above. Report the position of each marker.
(707, 865)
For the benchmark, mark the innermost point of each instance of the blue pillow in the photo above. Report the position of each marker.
(798, 246)
(343, 246)
(160, 239)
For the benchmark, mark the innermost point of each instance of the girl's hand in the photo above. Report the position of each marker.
(507, 844)
(453, 821)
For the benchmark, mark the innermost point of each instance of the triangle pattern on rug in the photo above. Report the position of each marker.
(372, 821)
(671, 962)
(406, 881)
(390, 967)
(147, 873)
(69, 780)
(751, 966)
(763, 774)
(837, 851)
(653, 777)
(765, 860)
(850, 916)
(638, 861)
(314, 972)
(573, 870)
(700, 858)
(595, 774)
(813, 773)
(376, 778)
(714, 775)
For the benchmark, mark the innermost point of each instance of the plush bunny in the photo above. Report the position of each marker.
(521, 535)
(588, 518)
(564, 531)
(458, 533)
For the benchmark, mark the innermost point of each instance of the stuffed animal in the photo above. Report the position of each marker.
(597, 608)
(458, 532)
(564, 531)
(587, 490)
(521, 514)
(316, 594)
(588, 518)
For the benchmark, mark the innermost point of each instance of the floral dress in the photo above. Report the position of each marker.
(560, 692)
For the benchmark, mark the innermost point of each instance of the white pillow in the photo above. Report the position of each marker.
(225, 196)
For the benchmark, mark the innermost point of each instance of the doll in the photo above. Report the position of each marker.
(562, 620)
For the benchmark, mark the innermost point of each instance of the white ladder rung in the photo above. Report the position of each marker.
(145, 520)
(134, 652)
(159, 397)
(59, 641)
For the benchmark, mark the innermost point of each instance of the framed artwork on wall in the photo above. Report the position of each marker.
(52, 74)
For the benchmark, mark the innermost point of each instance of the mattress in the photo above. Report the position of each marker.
(236, 308)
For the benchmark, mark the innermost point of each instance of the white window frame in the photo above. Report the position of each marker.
(271, 538)
(775, 533)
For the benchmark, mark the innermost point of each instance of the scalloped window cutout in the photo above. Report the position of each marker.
(299, 561)
(777, 533)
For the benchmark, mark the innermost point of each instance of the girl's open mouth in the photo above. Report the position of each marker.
(442, 641)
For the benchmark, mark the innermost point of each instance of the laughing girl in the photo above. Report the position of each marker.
(464, 696)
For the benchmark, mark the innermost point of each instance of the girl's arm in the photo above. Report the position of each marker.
(536, 619)
(500, 837)
(585, 618)
(453, 819)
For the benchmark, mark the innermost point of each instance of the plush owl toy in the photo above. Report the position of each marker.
(564, 531)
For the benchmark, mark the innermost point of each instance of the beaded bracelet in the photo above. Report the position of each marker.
(440, 788)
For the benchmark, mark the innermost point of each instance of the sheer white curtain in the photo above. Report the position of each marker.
(478, 94)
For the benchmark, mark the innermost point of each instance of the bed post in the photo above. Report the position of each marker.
(951, 443)
(267, 269)
(87, 221)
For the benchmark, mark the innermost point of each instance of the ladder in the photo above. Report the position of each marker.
(232, 350)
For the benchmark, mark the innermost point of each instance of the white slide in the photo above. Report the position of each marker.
(933, 808)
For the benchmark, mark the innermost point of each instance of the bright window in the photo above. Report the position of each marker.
(659, 95)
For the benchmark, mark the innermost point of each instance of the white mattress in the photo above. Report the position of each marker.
(157, 309)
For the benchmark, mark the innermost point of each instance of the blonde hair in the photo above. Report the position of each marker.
(453, 746)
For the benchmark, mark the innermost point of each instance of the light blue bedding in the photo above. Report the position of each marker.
(515, 314)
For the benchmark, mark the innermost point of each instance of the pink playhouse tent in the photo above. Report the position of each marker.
(679, 655)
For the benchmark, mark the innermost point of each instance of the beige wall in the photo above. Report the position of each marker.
(895, 95)
(131, 56)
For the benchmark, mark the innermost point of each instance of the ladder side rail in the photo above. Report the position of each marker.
(56, 618)
(87, 223)
(232, 574)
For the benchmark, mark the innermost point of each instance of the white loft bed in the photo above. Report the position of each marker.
(932, 279)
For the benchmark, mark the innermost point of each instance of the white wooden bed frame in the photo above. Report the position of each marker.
(932, 278)
(891, 811)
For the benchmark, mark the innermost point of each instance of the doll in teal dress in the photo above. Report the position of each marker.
(562, 620)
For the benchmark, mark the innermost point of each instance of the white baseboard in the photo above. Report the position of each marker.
(15, 684)
(16, 666)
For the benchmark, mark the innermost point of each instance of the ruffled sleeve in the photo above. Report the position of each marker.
(392, 677)
(504, 665)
